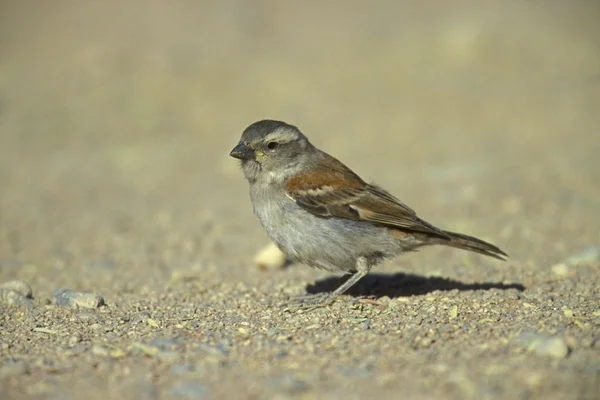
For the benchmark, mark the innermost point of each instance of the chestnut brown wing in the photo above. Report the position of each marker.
(333, 190)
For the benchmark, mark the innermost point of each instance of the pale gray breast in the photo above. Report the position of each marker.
(333, 244)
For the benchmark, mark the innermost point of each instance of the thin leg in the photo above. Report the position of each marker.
(323, 299)
(362, 269)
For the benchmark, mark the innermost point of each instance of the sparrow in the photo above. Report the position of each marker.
(322, 214)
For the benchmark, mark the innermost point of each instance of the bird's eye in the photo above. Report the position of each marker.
(272, 145)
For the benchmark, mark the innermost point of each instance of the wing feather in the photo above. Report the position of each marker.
(333, 190)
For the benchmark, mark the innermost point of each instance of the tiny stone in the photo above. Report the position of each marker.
(454, 312)
(270, 257)
(140, 318)
(152, 323)
(96, 327)
(20, 287)
(70, 298)
(150, 351)
(562, 270)
(99, 351)
(73, 340)
(117, 353)
(553, 346)
(11, 297)
(568, 313)
(543, 344)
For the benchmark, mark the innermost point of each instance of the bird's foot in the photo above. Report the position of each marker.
(310, 302)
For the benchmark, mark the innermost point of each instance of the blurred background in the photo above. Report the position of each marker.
(116, 119)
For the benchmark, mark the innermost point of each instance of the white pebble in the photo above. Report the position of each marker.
(270, 257)
(70, 298)
(11, 297)
(21, 287)
(554, 347)
(562, 270)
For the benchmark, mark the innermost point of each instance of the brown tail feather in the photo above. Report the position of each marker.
(470, 243)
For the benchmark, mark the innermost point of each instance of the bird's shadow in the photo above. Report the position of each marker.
(404, 285)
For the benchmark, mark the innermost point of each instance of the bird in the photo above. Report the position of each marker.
(322, 214)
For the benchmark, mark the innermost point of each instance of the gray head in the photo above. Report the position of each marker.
(273, 147)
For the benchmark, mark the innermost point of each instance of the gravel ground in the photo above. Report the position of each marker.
(127, 237)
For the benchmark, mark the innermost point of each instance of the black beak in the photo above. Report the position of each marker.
(243, 152)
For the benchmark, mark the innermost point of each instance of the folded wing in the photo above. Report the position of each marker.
(333, 190)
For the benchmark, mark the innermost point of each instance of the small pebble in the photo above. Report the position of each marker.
(152, 323)
(140, 318)
(47, 331)
(453, 312)
(97, 327)
(568, 312)
(20, 287)
(562, 270)
(554, 347)
(99, 351)
(144, 349)
(11, 297)
(74, 340)
(270, 257)
(543, 344)
(70, 298)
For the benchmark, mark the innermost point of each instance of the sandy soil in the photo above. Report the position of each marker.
(116, 119)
